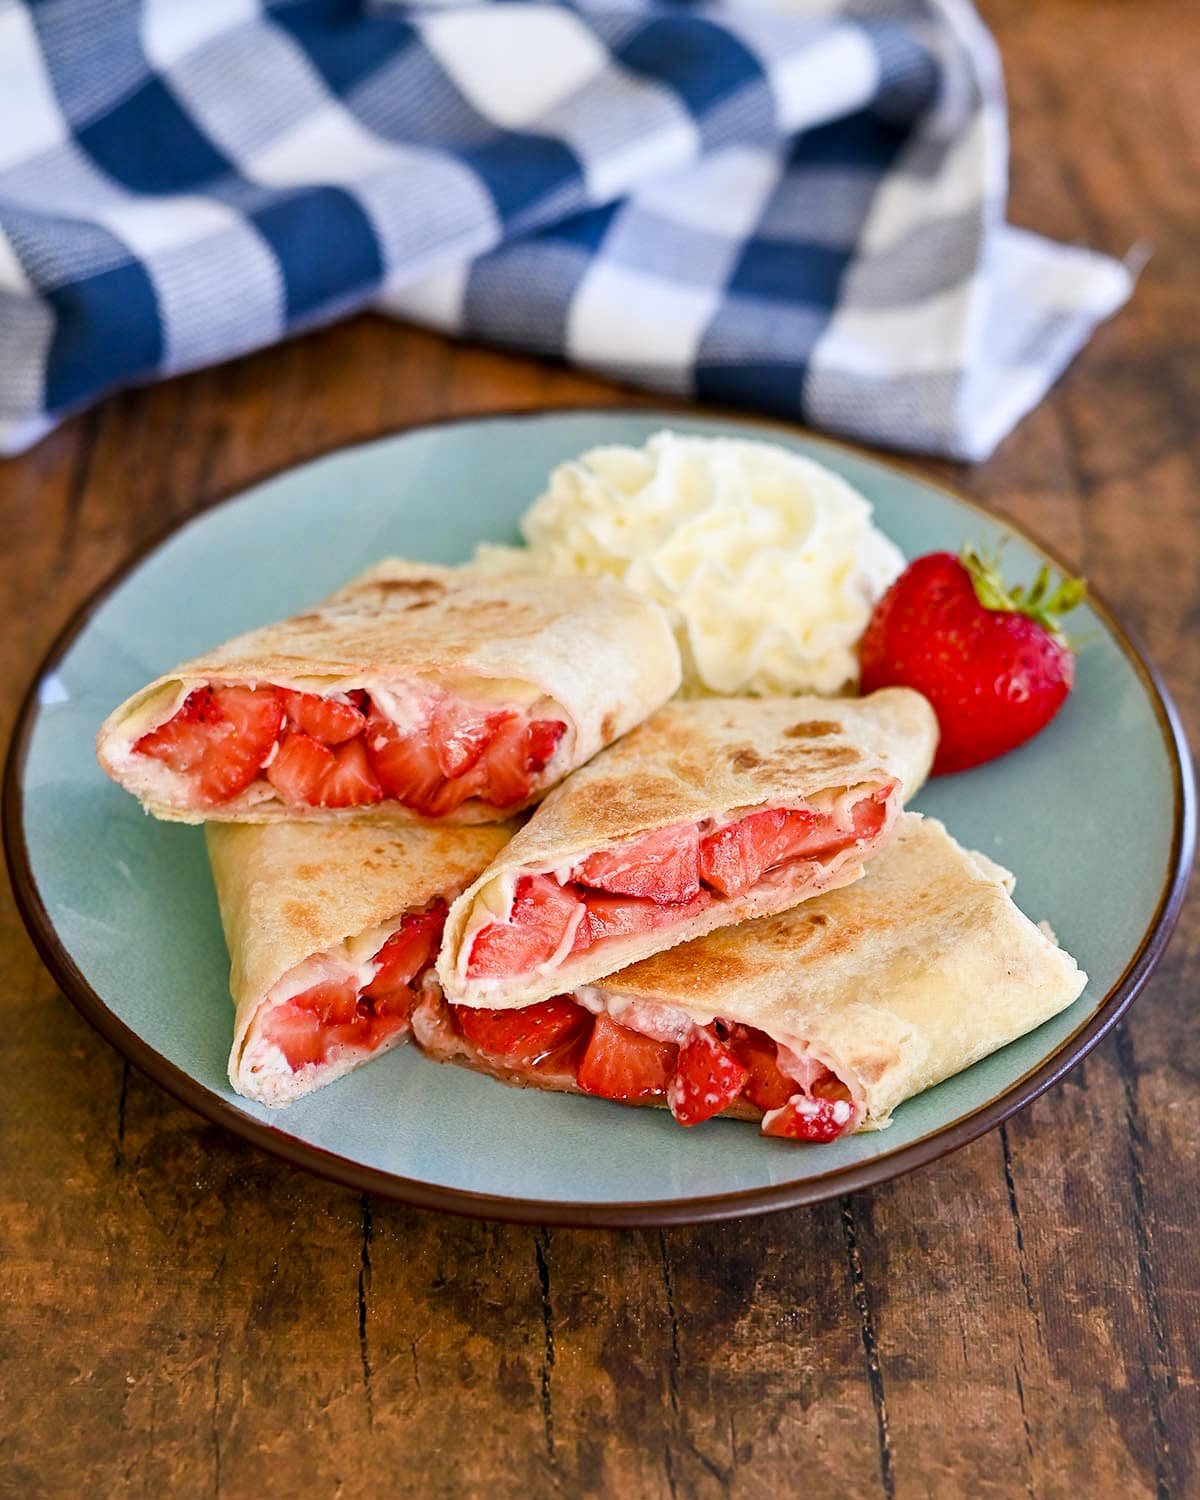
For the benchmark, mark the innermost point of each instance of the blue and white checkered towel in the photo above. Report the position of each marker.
(797, 207)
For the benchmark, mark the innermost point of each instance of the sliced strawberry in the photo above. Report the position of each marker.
(767, 1086)
(815, 1120)
(516, 754)
(461, 732)
(297, 1034)
(527, 1036)
(350, 781)
(870, 815)
(541, 916)
(506, 765)
(662, 867)
(326, 719)
(251, 721)
(707, 1078)
(409, 950)
(300, 769)
(184, 739)
(623, 1064)
(734, 857)
(406, 765)
(304, 1038)
(620, 916)
(541, 743)
(332, 1002)
(220, 737)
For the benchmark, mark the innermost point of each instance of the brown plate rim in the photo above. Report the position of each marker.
(750, 1201)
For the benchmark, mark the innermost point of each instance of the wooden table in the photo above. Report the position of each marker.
(181, 1316)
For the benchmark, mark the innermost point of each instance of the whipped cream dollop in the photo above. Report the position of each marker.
(767, 563)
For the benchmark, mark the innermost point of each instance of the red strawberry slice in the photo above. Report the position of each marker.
(542, 742)
(350, 781)
(251, 720)
(814, 1120)
(707, 1078)
(461, 732)
(991, 660)
(409, 950)
(297, 1034)
(184, 739)
(623, 1064)
(620, 916)
(405, 764)
(517, 753)
(299, 770)
(326, 719)
(662, 867)
(736, 857)
(505, 770)
(220, 737)
(767, 1086)
(540, 919)
(525, 1037)
(332, 1003)
(733, 858)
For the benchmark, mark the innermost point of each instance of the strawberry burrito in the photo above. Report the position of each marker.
(437, 693)
(816, 1022)
(710, 812)
(332, 929)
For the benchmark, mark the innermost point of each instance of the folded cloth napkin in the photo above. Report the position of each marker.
(797, 207)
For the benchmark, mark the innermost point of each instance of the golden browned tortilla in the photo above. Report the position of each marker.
(693, 760)
(903, 979)
(588, 651)
(291, 891)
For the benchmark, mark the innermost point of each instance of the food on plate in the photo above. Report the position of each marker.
(992, 660)
(434, 692)
(766, 562)
(332, 929)
(712, 811)
(817, 1021)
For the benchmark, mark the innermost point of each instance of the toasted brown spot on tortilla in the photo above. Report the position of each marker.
(409, 585)
(608, 726)
(811, 729)
(745, 759)
(308, 872)
(419, 604)
(872, 1069)
(300, 914)
(825, 756)
(309, 619)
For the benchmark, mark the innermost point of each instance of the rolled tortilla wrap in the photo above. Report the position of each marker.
(307, 909)
(865, 995)
(540, 672)
(709, 813)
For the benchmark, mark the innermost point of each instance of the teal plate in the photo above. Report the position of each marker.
(122, 908)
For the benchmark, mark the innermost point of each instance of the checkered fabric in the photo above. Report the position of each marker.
(796, 207)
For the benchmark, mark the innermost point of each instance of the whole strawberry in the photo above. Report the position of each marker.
(991, 660)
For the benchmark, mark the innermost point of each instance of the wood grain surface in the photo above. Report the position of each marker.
(181, 1316)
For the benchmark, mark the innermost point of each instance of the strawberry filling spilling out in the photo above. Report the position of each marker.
(710, 1069)
(345, 752)
(339, 1014)
(658, 881)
